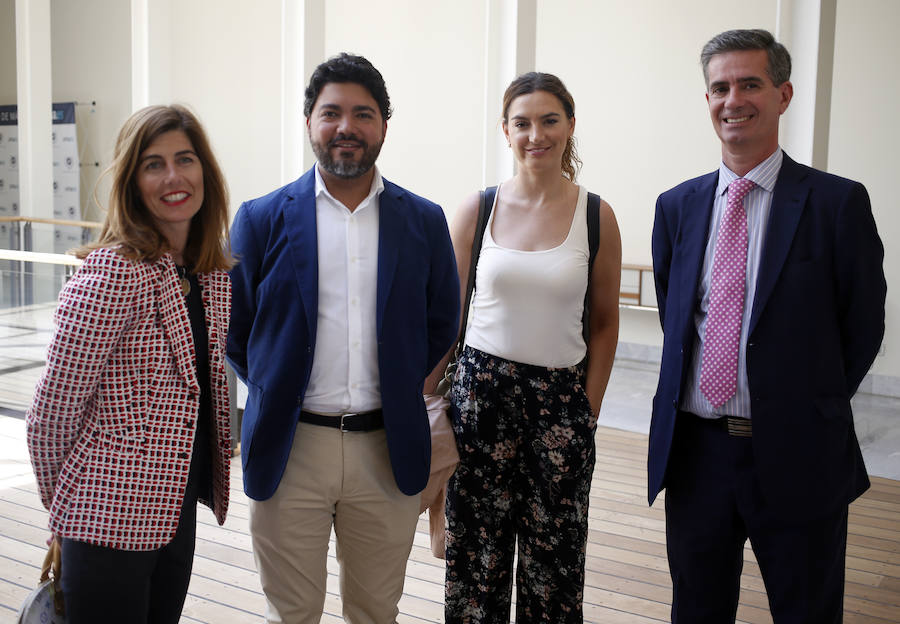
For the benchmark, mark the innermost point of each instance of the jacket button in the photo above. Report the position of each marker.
(675, 403)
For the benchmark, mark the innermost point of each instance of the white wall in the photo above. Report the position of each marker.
(632, 67)
(431, 55)
(642, 123)
(865, 133)
(223, 59)
(91, 57)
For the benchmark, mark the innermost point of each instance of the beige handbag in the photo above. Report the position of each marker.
(44, 605)
(444, 455)
(444, 459)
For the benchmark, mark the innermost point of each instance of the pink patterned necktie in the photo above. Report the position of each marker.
(721, 344)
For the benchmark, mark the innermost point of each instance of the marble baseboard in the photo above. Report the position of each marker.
(881, 385)
(636, 352)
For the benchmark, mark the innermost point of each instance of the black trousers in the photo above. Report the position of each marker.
(526, 444)
(713, 506)
(106, 585)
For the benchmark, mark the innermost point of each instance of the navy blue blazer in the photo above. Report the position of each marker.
(816, 326)
(272, 335)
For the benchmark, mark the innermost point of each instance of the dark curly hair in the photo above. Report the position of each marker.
(348, 68)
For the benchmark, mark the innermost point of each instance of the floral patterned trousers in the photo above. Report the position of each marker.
(525, 435)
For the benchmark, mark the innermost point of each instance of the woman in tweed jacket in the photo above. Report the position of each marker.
(129, 426)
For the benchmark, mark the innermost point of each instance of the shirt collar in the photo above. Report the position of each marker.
(763, 175)
(375, 190)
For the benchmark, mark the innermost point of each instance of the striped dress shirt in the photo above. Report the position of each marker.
(757, 204)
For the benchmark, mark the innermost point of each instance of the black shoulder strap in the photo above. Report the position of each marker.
(484, 211)
(593, 226)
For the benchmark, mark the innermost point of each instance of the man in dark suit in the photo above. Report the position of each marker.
(771, 295)
(345, 296)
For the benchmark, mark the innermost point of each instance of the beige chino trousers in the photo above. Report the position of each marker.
(340, 480)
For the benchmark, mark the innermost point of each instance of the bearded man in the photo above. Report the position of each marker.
(345, 296)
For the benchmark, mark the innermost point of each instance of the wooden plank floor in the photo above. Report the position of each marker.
(627, 574)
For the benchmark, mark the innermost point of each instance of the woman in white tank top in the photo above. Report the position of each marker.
(528, 388)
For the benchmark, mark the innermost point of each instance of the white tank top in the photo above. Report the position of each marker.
(527, 305)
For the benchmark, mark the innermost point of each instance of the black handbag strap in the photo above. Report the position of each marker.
(484, 212)
(593, 225)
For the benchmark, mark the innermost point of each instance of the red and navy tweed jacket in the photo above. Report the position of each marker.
(111, 427)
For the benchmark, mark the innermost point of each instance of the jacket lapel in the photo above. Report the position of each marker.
(788, 201)
(691, 240)
(176, 322)
(391, 230)
(299, 212)
(216, 306)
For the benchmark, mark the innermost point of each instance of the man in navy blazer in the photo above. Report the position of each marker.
(345, 296)
(772, 457)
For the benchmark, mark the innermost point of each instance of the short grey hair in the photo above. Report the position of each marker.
(779, 68)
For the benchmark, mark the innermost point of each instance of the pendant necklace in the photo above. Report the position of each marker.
(185, 282)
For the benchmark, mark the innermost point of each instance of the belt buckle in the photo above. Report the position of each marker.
(739, 427)
(343, 416)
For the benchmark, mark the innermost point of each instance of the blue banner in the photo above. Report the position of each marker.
(8, 115)
(63, 113)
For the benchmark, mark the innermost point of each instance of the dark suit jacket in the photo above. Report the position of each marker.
(815, 328)
(274, 313)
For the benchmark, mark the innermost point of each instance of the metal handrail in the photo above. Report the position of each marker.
(72, 261)
(22, 256)
(36, 256)
(94, 225)
(635, 300)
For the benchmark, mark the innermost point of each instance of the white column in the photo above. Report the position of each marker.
(153, 47)
(140, 54)
(510, 41)
(806, 28)
(302, 49)
(33, 82)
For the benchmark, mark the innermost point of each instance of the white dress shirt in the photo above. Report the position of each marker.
(344, 376)
(757, 204)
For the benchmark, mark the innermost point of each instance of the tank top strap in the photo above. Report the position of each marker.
(578, 234)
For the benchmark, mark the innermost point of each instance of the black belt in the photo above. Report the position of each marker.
(360, 421)
(732, 425)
